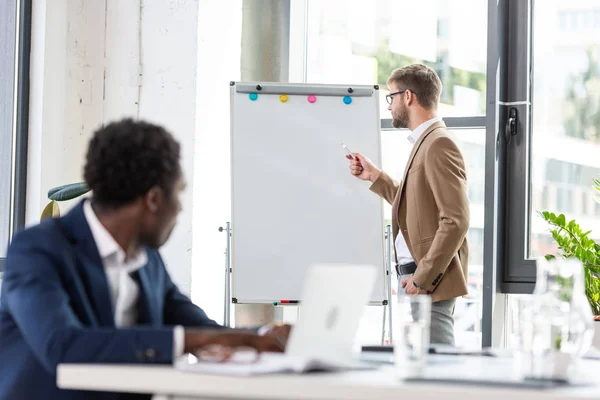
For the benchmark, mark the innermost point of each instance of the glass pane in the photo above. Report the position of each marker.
(566, 117)
(7, 76)
(219, 37)
(395, 151)
(467, 315)
(361, 42)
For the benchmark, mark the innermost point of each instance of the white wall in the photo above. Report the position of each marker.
(94, 61)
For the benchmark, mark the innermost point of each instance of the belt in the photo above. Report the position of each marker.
(406, 269)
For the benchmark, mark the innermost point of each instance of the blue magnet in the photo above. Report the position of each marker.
(347, 99)
(253, 96)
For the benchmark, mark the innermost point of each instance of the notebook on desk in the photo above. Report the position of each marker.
(268, 363)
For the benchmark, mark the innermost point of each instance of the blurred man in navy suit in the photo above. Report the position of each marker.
(91, 287)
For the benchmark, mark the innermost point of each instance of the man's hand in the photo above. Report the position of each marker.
(411, 290)
(281, 332)
(363, 168)
(197, 339)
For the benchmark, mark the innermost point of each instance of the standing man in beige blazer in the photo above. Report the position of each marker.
(430, 209)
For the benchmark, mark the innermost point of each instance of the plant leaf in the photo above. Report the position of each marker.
(68, 192)
(50, 211)
(572, 241)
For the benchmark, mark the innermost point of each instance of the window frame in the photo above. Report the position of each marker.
(299, 13)
(19, 100)
(518, 271)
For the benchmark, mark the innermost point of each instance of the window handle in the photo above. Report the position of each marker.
(511, 125)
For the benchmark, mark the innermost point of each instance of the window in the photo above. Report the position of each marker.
(7, 84)
(552, 161)
(219, 38)
(565, 136)
(468, 311)
(15, 25)
(537, 51)
(361, 42)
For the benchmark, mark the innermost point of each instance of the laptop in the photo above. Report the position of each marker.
(334, 297)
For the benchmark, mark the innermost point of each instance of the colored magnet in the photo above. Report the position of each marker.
(283, 98)
(347, 99)
(253, 96)
(312, 98)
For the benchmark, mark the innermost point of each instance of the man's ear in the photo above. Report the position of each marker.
(154, 198)
(410, 97)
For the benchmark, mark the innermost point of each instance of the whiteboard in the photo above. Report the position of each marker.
(294, 201)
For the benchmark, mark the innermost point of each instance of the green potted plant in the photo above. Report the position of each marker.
(62, 193)
(572, 241)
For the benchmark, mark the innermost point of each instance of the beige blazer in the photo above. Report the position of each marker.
(430, 209)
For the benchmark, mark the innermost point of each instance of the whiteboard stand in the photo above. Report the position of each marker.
(389, 274)
(227, 311)
(279, 315)
(272, 126)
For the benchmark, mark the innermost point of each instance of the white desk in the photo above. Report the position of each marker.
(167, 383)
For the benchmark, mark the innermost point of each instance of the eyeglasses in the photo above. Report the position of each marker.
(389, 98)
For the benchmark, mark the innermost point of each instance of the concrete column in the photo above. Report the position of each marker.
(265, 57)
(265, 40)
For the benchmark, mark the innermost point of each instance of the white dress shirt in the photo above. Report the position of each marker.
(403, 255)
(124, 291)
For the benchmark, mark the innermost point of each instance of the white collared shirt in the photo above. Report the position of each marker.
(403, 255)
(124, 291)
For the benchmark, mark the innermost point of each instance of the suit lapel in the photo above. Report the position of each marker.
(75, 226)
(414, 151)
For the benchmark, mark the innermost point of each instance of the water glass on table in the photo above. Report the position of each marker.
(411, 321)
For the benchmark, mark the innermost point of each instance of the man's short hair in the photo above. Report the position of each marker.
(422, 81)
(125, 159)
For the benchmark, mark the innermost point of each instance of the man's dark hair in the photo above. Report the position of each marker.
(127, 158)
(420, 79)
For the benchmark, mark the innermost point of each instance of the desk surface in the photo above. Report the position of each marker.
(380, 384)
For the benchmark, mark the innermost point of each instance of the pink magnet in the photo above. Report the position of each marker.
(312, 98)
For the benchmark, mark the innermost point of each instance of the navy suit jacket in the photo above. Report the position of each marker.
(55, 307)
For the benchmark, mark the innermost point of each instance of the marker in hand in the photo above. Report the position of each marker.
(349, 152)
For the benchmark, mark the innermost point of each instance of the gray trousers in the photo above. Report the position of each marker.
(442, 318)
